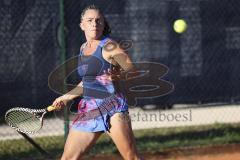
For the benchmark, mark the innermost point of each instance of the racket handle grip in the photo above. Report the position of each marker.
(50, 108)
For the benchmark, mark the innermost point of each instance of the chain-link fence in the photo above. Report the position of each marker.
(29, 52)
(203, 62)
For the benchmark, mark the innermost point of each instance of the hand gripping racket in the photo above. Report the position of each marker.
(26, 120)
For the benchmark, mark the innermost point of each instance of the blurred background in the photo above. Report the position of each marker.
(37, 36)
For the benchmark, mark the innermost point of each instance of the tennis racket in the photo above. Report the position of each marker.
(26, 120)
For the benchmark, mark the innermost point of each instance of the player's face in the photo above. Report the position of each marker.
(92, 24)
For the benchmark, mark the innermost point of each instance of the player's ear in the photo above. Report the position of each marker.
(81, 26)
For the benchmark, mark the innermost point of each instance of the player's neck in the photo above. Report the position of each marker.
(92, 42)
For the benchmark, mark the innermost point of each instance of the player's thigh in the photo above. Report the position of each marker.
(122, 134)
(78, 143)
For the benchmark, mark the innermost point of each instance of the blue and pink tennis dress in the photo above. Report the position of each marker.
(100, 98)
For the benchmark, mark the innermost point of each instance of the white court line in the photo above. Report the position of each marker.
(148, 119)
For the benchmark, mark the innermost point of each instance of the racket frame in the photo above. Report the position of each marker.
(34, 112)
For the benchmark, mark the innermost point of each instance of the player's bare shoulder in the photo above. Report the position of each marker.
(112, 48)
(108, 50)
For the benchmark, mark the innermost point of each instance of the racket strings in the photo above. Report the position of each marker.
(24, 121)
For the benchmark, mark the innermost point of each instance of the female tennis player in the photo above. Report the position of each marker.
(102, 106)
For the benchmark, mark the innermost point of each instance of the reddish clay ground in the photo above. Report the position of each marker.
(226, 152)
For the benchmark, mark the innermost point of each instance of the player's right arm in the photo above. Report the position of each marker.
(69, 96)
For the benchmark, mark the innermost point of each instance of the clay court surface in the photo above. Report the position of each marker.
(226, 152)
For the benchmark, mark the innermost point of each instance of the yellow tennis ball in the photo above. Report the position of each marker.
(180, 26)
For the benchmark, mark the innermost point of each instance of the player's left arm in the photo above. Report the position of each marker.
(121, 58)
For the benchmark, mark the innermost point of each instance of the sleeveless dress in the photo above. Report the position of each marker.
(98, 92)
